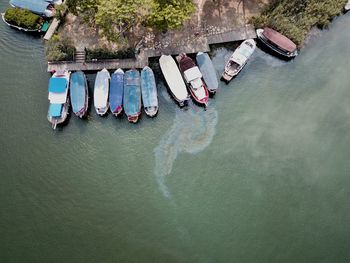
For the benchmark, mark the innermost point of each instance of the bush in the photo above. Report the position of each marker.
(22, 18)
(102, 53)
(59, 49)
(294, 18)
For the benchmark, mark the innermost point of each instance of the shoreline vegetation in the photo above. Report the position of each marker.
(295, 18)
(116, 20)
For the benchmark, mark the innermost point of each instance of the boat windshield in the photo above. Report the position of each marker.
(249, 44)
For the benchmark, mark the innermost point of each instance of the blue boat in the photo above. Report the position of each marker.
(116, 91)
(149, 92)
(132, 95)
(58, 98)
(79, 93)
(208, 71)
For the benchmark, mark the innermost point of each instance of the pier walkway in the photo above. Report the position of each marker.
(197, 44)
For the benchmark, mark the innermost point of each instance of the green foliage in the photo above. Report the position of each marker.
(58, 49)
(102, 53)
(170, 14)
(22, 18)
(115, 17)
(294, 18)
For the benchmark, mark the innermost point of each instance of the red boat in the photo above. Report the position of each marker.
(193, 78)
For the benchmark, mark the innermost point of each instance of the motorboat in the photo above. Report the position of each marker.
(79, 94)
(132, 95)
(238, 59)
(193, 78)
(149, 92)
(58, 98)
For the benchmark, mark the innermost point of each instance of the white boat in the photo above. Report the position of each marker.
(193, 78)
(174, 79)
(58, 98)
(347, 6)
(238, 59)
(101, 91)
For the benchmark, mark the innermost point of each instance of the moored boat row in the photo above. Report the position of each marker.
(117, 92)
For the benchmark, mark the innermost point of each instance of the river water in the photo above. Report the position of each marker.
(262, 176)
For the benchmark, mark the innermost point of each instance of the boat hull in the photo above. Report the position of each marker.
(263, 40)
(208, 71)
(132, 95)
(149, 92)
(174, 80)
(101, 91)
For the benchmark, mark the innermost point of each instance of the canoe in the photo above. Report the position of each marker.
(239, 59)
(79, 93)
(116, 91)
(149, 92)
(132, 95)
(174, 79)
(101, 92)
(208, 71)
(193, 77)
(58, 98)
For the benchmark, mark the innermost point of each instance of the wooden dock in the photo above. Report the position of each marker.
(198, 44)
(52, 29)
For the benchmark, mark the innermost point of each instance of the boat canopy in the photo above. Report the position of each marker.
(208, 71)
(279, 39)
(36, 6)
(192, 73)
(55, 110)
(101, 89)
(57, 85)
(132, 92)
(116, 90)
(239, 58)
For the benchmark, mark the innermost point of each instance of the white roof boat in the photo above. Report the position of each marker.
(347, 6)
(101, 91)
(174, 79)
(58, 98)
(193, 78)
(238, 59)
(208, 71)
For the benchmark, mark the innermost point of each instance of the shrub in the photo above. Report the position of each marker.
(102, 53)
(294, 18)
(22, 18)
(58, 49)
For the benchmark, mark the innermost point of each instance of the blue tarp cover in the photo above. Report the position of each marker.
(78, 91)
(148, 88)
(132, 92)
(36, 6)
(57, 85)
(208, 71)
(116, 91)
(55, 110)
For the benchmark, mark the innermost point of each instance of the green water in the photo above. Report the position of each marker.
(262, 176)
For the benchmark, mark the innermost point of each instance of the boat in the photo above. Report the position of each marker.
(79, 95)
(174, 79)
(132, 95)
(193, 78)
(41, 26)
(116, 91)
(39, 7)
(101, 92)
(58, 98)
(208, 71)
(149, 92)
(277, 42)
(238, 59)
(347, 6)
